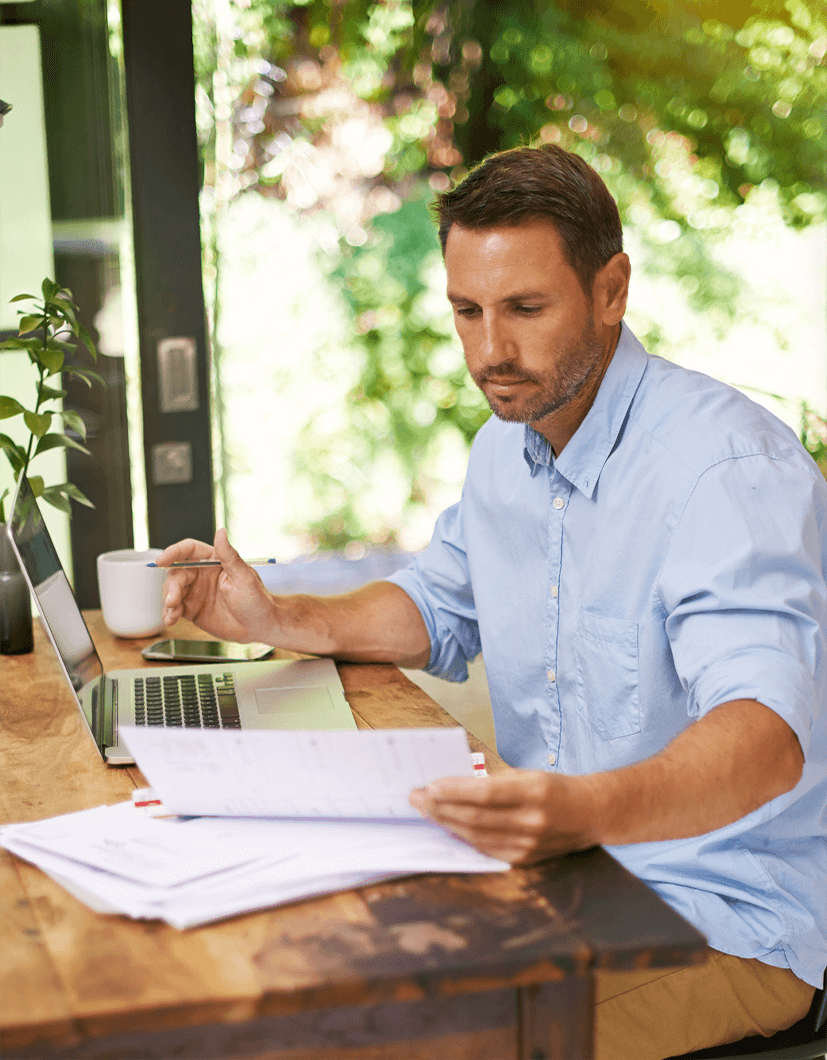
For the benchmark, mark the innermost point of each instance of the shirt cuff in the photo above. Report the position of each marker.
(778, 681)
(447, 657)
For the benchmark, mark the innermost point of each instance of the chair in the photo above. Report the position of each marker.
(805, 1040)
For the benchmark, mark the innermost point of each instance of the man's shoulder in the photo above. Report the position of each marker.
(702, 421)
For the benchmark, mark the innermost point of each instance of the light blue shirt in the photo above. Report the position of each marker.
(671, 559)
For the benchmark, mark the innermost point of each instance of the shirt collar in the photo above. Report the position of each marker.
(583, 458)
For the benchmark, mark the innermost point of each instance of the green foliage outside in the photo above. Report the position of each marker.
(411, 389)
(358, 111)
(813, 434)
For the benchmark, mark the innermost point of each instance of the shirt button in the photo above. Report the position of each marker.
(558, 503)
(554, 591)
(551, 675)
(552, 760)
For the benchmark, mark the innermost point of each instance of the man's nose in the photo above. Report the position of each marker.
(494, 345)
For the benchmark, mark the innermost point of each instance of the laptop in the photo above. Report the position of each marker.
(270, 694)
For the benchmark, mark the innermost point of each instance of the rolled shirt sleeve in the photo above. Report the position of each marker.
(743, 591)
(439, 583)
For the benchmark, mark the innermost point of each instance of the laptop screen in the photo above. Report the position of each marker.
(55, 599)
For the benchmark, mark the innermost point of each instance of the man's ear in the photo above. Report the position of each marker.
(611, 290)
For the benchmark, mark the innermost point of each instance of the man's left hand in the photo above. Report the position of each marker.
(520, 816)
(725, 765)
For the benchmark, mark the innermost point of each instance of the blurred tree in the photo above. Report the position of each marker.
(360, 108)
(740, 87)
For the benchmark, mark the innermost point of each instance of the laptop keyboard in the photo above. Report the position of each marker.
(200, 701)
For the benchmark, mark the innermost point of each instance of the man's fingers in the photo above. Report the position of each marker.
(504, 816)
(522, 816)
(525, 820)
(231, 561)
(176, 585)
(184, 550)
(505, 790)
(507, 846)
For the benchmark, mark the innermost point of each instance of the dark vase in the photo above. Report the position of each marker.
(15, 603)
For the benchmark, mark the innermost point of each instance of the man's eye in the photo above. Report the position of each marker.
(466, 311)
(528, 310)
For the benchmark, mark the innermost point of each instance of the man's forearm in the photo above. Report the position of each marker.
(730, 762)
(376, 623)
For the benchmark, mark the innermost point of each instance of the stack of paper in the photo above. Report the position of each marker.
(193, 870)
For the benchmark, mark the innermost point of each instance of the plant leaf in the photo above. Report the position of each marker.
(67, 491)
(63, 314)
(86, 338)
(16, 453)
(36, 482)
(9, 407)
(22, 298)
(86, 374)
(75, 420)
(38, 422)
(58, 344)
(57, 500)
(47, 393)
(52, 360)
(49, 288)
(29, 322)
(52, 441)
(75, 494)
(21, 344)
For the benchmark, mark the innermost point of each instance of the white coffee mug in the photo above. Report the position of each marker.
(131, 592)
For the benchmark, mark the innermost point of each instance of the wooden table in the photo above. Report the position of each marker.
(443, 967)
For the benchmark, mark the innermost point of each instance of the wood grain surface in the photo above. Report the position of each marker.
(432, 966)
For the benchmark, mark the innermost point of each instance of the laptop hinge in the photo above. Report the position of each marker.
(110, 712)
(104, 711)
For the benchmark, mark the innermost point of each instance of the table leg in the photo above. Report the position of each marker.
(556, 1020)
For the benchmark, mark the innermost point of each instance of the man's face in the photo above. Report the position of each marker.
(526, 325)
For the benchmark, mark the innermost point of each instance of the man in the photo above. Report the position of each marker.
(639, 554)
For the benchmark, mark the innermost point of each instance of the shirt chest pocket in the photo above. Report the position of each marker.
(607, 675)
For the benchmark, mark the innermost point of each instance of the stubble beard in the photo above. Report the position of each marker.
(575, 367)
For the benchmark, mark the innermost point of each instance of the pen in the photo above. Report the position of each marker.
(209, 563)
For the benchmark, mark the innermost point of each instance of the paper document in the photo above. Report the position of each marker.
(136, 849)
(191, 871)
(249, 773)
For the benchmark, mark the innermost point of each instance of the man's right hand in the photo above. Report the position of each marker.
(229, 602)
(377, 622)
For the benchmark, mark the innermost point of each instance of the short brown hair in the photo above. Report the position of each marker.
(539, 184)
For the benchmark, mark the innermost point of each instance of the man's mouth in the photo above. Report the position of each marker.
(503, 382)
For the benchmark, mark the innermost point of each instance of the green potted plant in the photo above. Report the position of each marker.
(46, 334)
